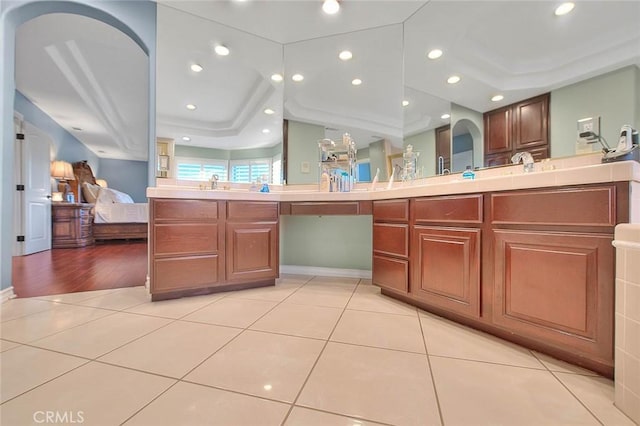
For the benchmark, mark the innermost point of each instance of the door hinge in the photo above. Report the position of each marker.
(20, 238)
(19, 187)
(20, 136)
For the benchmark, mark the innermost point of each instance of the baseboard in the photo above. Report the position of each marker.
(325, 272)
(7, 294)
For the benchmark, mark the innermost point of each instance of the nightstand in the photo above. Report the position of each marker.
(71, 225)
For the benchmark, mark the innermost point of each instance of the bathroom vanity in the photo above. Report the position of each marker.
(527, 257)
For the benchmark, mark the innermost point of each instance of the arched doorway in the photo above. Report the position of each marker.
(135, 19)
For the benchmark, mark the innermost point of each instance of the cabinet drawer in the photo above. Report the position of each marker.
(391, 239)
(184, 272)
(254, 210)
(187, 238)
(185, 209)
(567, 207)
(320, 208)
(391, 210)
(458, 209)
(391, 273)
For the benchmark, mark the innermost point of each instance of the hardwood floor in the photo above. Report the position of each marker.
(97, 267)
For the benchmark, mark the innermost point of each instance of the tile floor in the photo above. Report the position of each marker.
(310, 351)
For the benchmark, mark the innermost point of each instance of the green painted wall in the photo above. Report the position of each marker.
(613, 97)
(342, 242)
(362, 153)
(198, 152)
(303, 147)
(637, 121)
(224, 154)
(425, 144)
(462, 114)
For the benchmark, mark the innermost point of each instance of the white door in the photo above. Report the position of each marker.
(36, 179)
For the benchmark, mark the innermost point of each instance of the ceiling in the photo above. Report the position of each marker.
(88, 75)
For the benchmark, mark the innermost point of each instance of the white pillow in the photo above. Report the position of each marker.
(90, 192)
(108, 195)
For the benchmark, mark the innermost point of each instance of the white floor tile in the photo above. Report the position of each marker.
(118, 300)
(368, 298)
(36, 326)
(262, 364)
(446, 338)
(276, 293)
(189, 404)
(561, 366)
(98, 337)
(477, 393)
(76, 297)
(299, 320)
(301, 416)
(377, 384)
(98, 394)
(330, 296)
(175, 308)
(17, 308)
(232, 312)
(380, 330)
(597, 394)
(5, 345)
(25, 367)
(172, 350)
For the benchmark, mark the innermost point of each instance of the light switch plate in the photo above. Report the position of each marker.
(304, 167)
(589, 124)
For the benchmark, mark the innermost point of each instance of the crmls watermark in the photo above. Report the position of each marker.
(53, 417)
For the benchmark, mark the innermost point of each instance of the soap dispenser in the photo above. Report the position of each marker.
(468, 173)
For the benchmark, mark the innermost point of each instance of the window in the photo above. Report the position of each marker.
(201, 168)
(276, 169)
(363, 171)
(250, 170)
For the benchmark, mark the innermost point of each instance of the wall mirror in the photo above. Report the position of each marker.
(347, 83)
(216, 98)
(392, 62)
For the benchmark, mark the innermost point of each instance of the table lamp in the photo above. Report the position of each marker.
(62, 171)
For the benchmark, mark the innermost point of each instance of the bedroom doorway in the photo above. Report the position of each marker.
(71, 270)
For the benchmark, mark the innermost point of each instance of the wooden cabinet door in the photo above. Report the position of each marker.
(500, 159)
(497, 131)
(443, 146)
(530, 119)
(252, 251)
(446, 268)
(556, 288)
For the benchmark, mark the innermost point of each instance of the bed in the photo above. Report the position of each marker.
(115, 216)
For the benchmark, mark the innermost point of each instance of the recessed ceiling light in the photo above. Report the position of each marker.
(277, 77)
(269, 111)
(356, 82)
(265, 131)
(345, 55)
(453, 79)
(330, 7)
(196, 68)
(434, 54)
(297, 78)
(445, 116)
(186, 138)
(497, 98)
(564, 8)
(221, 50)
(405, 103)
(191, 107)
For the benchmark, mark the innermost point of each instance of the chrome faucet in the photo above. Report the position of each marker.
(441, 169)
(527, 160)
(213, 180)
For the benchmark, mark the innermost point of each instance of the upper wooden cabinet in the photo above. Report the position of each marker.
(523, 126)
